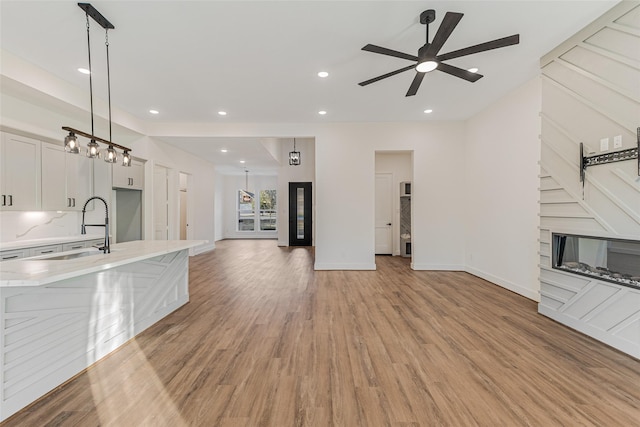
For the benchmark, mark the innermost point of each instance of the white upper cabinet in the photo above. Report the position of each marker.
(129, 177)
(67, 179)
(19, 173)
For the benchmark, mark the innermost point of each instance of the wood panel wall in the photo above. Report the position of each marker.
(591, 90)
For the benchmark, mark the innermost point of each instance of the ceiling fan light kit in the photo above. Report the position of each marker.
(428, 58)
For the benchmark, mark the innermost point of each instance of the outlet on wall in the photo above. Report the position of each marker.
(604, 144)
(617, 141)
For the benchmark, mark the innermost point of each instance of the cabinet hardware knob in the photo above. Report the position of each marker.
(10, 199)
(4, 200)
(10, 257)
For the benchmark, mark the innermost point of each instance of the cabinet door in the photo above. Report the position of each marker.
(120, 176)
(129, 177)
(20, 175)
(44, 250)
(14, 254)
(54, 190)
(79, 179)
(137, 175)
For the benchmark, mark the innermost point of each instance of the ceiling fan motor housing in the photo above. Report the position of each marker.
(428, 16)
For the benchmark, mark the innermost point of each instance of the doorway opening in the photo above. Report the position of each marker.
(392, 204)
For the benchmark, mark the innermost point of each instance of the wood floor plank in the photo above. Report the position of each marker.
(266, 341)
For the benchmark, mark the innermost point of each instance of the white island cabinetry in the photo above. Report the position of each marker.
(60, 316)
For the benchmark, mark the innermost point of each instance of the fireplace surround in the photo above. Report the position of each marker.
(608, 259)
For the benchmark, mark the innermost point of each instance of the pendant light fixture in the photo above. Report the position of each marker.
(71, 144)
(126, 159)
(93, 148)
(246, 194)
(294, 156)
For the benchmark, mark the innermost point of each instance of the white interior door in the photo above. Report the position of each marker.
(160, 203)
(384, 213)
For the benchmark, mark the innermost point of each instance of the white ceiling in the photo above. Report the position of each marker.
(258, 60)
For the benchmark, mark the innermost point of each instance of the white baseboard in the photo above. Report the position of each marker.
(338, 266)
(437, 267)
(520, 290)
(203, 248)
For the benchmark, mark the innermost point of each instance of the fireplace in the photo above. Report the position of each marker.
(611, 260)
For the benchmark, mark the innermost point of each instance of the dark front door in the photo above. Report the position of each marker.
(299, 214)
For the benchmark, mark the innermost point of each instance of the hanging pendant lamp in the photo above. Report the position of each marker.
(294, 156)
(71, 144)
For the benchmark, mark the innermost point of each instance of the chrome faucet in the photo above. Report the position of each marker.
(83, 228)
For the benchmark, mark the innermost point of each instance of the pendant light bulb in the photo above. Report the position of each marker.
(93, 149)
(126, 159)
(71, 143)
(111, 155)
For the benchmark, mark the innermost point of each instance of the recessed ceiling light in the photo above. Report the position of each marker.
(322, 112)
(242, 161)
(428, 111)
(154, 111)
(222, 113)
(224, 150)
(84, 71)
(323, 74)
(473, 70)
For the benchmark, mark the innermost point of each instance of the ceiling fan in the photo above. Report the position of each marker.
(428, 58)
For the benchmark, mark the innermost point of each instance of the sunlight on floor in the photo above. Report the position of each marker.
(122, 400)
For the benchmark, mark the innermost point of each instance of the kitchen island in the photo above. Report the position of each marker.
(62, 313)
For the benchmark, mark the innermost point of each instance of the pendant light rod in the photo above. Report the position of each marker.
(90, 72)
(106, 42)
(97, 16)
(88, 135)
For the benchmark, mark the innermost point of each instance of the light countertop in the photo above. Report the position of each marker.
(39, 271)
(34, 243)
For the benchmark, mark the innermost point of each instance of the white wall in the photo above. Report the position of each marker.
(202, 189)
(501, 168)
(345, 181)
(231, 184)
(399, 165)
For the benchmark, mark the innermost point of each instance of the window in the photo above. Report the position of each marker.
(268, 210)
(246, 211)
(265, 216)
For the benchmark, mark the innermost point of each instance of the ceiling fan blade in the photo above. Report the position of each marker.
(459, 72)
(384, 76)
(384, 51)
(415, 84)
(494, 44)
(451, 19)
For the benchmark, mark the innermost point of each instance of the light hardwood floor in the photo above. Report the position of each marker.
(266, 341)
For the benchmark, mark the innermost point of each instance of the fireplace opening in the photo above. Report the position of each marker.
(611, 260)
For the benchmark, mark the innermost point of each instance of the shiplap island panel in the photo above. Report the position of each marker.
(60, 316)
